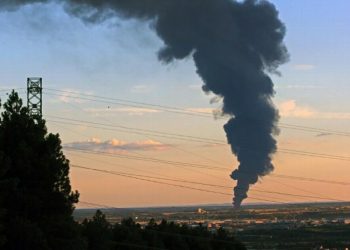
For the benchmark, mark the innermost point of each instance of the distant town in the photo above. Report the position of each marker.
(309, 225)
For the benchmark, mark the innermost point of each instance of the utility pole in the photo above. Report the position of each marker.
(34, 96)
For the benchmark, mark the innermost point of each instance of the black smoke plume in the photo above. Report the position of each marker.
(234, 45)
(14, 4)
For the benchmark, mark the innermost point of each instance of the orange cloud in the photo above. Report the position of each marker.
(291, 109)
(72, 96)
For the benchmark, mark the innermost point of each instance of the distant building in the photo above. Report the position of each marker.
(201, 211)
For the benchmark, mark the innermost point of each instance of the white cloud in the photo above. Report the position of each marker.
(115, 145)
(304, 67)
(73, 96)
(290, 109)
(130, 111)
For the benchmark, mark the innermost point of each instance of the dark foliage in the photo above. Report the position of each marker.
(129, 235)
(35, 191)
(98, 232)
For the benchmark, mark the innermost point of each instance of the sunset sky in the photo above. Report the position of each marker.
(118, 59)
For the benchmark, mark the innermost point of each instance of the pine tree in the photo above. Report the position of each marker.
(98, 231)
(36, 194)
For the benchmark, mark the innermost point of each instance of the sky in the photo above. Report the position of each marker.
(117, 59)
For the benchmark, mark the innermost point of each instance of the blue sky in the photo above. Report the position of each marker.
(45, 41)
(118, 59)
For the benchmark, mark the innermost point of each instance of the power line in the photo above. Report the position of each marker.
(196, 165)
(131, 104)
(300, 178)
(297, 195)
(152, 172)
(137, 177)
(143, 158)
(164, 183)
(122, 166)
(131, 131)
(295, 177)
(9, 89)
(170, 145)
(125, 102)
(197, 171)
(311, 179)
(97, 205)
(312, 129)
(223, 186)
(303, 153)
(207, 184)
(281, 150)
(141, 131)
(313, 154)
(300, 189)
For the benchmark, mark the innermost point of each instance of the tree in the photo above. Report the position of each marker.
(98, 231)
(37, 199)
(168, 235)
(2, 210)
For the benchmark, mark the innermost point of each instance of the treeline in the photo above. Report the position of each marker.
(101, 235)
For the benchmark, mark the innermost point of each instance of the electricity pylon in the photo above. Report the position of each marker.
(34, 96)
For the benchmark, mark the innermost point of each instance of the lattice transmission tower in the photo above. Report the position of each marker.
(34, 96)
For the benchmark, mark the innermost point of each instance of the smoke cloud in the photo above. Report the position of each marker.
(15, 4)
(234, 46)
